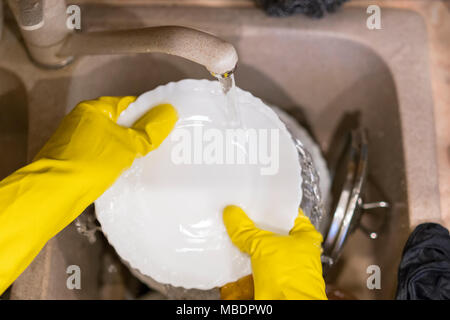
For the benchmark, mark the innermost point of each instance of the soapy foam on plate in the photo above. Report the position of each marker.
(165, 218)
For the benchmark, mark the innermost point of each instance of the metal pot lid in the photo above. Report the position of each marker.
(349, 177)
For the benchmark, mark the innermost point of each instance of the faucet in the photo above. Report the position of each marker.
(52, 44)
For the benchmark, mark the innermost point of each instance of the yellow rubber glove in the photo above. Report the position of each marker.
(284, 266)
(85, 155)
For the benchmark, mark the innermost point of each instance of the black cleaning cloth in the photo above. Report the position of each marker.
(424, 271)
(312, 8)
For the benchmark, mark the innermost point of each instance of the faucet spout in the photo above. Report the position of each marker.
(218, 56)
(52, 44)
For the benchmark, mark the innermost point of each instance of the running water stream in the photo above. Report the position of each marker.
(232, 110)
(312, 202)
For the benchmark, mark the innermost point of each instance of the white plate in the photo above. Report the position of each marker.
(165, 219)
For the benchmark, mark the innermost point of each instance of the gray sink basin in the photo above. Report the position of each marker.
(13, 123)
(335, 74)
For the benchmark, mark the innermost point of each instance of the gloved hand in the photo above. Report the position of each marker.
(84, 157)
(284, 266)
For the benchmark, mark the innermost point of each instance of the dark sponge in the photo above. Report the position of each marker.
(311, 8)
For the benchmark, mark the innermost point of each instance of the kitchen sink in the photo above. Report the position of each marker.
(334, 74)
